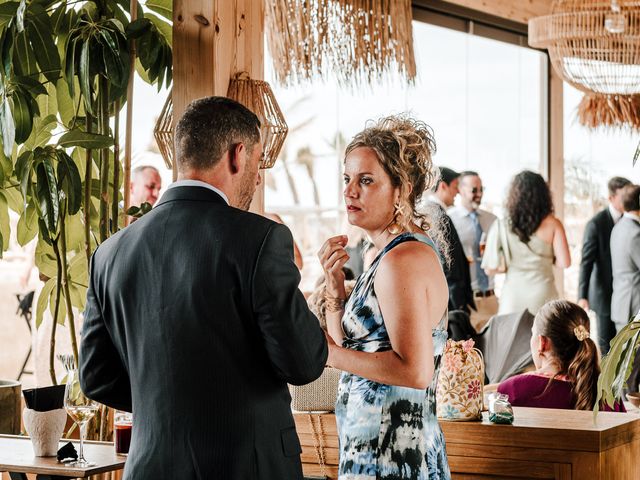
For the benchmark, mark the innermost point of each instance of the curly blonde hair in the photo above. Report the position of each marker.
(404, 147)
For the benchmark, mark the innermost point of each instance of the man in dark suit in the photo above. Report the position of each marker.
(457, 271)
(202, 354)
(596, 282)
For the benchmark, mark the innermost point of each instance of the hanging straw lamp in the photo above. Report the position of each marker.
(358, 41)
(258, 97)
(163, 132)
(594, 45)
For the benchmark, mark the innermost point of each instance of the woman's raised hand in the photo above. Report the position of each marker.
(332, 257)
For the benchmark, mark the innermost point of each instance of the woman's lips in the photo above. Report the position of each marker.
(351, 208)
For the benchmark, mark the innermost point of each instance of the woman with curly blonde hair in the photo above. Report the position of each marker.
(389, 336)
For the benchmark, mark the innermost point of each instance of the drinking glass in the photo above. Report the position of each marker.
(122, 423)
(81, 409)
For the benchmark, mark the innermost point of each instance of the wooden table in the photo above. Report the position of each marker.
(541, 444)
(17, 458)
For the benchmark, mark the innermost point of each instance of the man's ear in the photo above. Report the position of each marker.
(235, 154)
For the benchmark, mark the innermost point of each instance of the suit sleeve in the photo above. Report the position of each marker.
(292, 336)
(635, 251)
(589, 257)
(103, 376)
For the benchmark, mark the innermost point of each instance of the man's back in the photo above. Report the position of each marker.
(625, 263)
(202, 306)
(595, 268)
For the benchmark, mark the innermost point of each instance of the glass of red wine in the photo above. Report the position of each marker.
(122, 423)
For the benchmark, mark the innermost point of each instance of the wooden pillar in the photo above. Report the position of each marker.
(213, 40)
(555, 170)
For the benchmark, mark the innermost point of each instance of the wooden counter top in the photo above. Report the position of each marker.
(541, 444)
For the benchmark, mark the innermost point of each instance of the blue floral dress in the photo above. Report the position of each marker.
(386, 431)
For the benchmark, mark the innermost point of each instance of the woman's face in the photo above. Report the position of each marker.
(368, 193)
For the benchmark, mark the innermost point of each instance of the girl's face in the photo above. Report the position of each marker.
(368, 193)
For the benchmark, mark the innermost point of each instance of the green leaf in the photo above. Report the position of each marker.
(7, 12)
(42, 131)
(85, 76)
(5, 229)
(114, 63)
(43, 299)
(74, 228)
(31, 85)
(138, 27)
(6, 49)
(142, 72)
(7, 127)
(70, 182)
(65, 102)
(22, 116)
(41, 37)
(20, 15)
(15, 200)
(47, 194)
(165, 28)
(161, 7)
(27, 225)
(78, 270)
(76, 138)
(24, 59)
(58, 19)
(23, 172)
(70, 63)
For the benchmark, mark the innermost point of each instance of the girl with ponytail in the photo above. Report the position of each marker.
(566, 359)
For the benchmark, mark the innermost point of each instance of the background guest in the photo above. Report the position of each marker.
(456, 270)
(596, 282)
(527, 246)
(625, 264)
(297, 256)
(145, 185)
(472, 224)
(566, 359)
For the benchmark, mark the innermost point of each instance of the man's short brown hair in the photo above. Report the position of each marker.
(631, 198)
(210, 127)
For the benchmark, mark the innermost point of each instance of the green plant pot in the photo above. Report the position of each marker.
(10, 406)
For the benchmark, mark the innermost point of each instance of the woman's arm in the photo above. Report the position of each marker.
(412, 294)
(560, 246)
(332, 257)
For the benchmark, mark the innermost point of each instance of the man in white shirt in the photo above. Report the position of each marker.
(472, 224)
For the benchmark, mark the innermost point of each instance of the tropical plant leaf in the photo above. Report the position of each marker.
(47, 194)
(161, 7)
(24, 58)
(138, 27)
(22, 8)
(164, 27)
(116, 66)
(5, 228)
(69, 181)
(23, 172)
(8, 11)
(78, 270)
(41, 37)
(7, 127)
(41, 133)
(22, 116)
(64, 101)
(31, 85)
(617, 364)
(48, 104)
(14, 199)
(85, 75)
(70, 62)
(142, 72)
(43, 299)
(76, 138)
(27, 225)
(74, 229)
(6, 48)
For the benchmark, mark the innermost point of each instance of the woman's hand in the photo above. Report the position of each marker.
(332, 257)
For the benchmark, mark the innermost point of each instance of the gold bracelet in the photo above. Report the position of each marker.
(334, 304)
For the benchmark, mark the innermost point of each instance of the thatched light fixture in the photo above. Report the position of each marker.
(258, 97)
(163, 132)
(594, 45)
(358, 41)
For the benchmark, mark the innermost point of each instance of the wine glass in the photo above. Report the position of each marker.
(80, 408)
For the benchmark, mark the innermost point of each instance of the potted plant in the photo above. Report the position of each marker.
(66, 69)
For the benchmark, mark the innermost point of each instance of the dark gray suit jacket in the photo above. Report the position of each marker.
(194, 322)
(625, 263)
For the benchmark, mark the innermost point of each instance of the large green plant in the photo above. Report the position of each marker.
(64, 70)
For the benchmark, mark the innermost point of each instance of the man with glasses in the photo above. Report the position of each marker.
(472, 224)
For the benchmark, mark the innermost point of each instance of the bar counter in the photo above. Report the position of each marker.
(541, 444)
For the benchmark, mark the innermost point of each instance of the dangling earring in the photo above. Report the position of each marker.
(394, 227)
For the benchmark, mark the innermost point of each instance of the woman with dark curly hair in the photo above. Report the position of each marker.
(527, 245)
(389, 335)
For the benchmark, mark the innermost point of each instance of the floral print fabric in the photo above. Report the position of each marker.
(386, 432)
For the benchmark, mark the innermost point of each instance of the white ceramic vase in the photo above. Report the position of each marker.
(45, 430)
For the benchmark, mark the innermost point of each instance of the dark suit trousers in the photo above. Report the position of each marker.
(606, 331)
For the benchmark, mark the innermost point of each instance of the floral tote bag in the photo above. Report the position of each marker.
(460, 382)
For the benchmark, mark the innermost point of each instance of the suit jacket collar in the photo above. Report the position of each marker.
(198, 194)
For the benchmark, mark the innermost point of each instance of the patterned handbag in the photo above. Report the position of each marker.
(460, 382)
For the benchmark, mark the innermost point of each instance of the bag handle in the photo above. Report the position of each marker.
(318, 443)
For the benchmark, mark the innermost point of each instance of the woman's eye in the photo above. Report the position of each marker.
(366, 181)
(345, 180)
